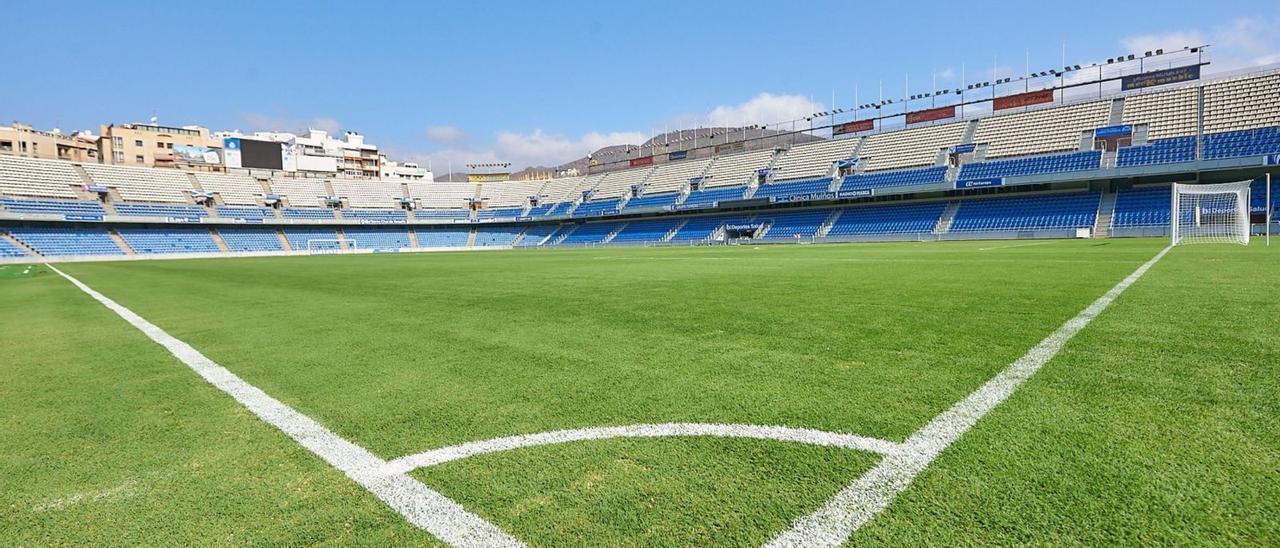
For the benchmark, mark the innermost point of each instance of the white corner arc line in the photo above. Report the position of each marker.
(775, 433)
(419, 504)
(860, 501)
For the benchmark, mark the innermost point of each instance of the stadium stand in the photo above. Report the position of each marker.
(1258, 196)
(8, 250)
(912, 147)
(67, 240)
(888, 219)
(792, 225)
(42, 178)
(1041, 131)
(245, 212)
(377, 238)
(590, 233)
(1050, 211)
(567, 189)
(441, 214)
(509, 194)
(596, 208)
(168, 239)
(233, 189)
(158, 210)
(497, 236)
(443, 237)
(442, 195)
(300, 192)
(710, 197)
(699, 229)
(306, 213)
(1162, 151)
(499, 212)
(812, 160)
(1242, 104)
(1141, 206)
(138, 184)
(619, 183)
(369, 194)
(54, 207)
(1249, 142)
(650, 201)
(250, 239)
(1034, 165)
(736, 169)
(376, 215)
(647, 231)
(299, 236)
(673, 176)
(1166, 114)
(793, 188)
(886, 179)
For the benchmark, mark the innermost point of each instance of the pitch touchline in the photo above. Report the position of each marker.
(861, 500)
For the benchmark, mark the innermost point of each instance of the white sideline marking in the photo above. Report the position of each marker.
(856, 504)
(1017, 245)
(777, 433)
(419, 504)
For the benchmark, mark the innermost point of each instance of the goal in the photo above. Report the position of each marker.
(1216, 213)
(329, 246)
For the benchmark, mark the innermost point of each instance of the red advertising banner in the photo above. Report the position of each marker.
(1024, 99)
(647, 160)
(940, 113)
(853, 127)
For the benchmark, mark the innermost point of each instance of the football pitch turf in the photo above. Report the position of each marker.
(1159, 423)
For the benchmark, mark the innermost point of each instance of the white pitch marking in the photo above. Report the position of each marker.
(776, 433)
(124, 490)
(1010, 246)
(856, 504)
(419, 504)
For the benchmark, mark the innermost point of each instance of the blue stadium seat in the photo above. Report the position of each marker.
(1052, 211)
(147, 240)
(443, 237)
(376, 238)
(250, 238)
(651, 201)
(67, 240)
(698, 229)
(499, 212)
(442, 214)
(590, 233)
(245, 212)
(646, 231)
(307, 213)
(886, 179)
(888, 219)
(7, 249)
(535, 234)
(799, 187)
(1146, 206)
(157, 210)
(54, 207)
(497, 236)
(376, 215)
(1034, 165)
(299, 236)
(597, 208)
(1251, 142)
(786, 226)
(1163, 151)
(710, 197)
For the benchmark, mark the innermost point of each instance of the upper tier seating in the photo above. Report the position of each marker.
(1250, 142)
(54, 207)
(887, 179)
(369, 194)
(442, 214)
(1053, 211)
(652, 230)
(567, 189)
(499, 212)
(443, 195)
(1041, 131)
(43, 178)
(376, 215)
(497, 236)
(736, 169)
(710, 197)
(300, 192)
(1057, 163)
(787, 226)
(888, 219)
(1142, 206)
(250, 238)
(168, 240)
(811, 160)
(649, 201)
(793, 188)
(509, 194)
(1166, 113)
(673, 176)
(534, 235)
(55, 241)
(307, 213)
(1163, 151)
(618, 183)
(443, 237)
(233, 189)
(910, 147)
(595, 208)
(1245, 103)
(590, 233)
(245, 212)
(156, 210)
(376, 238)
(137, 184)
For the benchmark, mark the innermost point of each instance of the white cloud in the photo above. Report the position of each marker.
(1244, 42)
(765, 108)
(259, 121)
(449, 136)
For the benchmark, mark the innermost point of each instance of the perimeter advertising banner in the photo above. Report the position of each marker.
(231, 152)
(940, 113)
(1160, 77)
(192, 154)
(647, 160)
(853, 127)
(677, 155)
(1024, 99)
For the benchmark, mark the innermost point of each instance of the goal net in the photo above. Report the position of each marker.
(327, 246)
(1210, 214)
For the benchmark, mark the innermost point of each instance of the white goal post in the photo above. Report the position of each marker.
(1216, 213)
(323, 246)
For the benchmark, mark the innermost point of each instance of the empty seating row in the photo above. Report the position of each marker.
(7, 249)
(370, 194)
(813, 159)
(596, 208)
(376, 238)
(1163, 151)
(1041, 131)
(232, 189)
(1055, 211)
(1057, 163)
(497, 236)
(67, 240)
(145, 240)
(250, 239)
(499, 213)
(793, 188)
(81, 208)
(887, 219)
(652, 201)
(1251, 142)
(306, 213)
(44, 178)
(652, 230)
(887, 179)
(142, 184)
(909, 147)
(710, 197)
(799, 224)
(376, 215)
(157, 210)
(590, 233)
(534, 235)
(245, 212)
(1142, 206)
(673, 176)
(736, 169)
(443, 237)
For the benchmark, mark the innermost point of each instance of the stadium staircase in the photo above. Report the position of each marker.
(217, 240)
(970, 131)
(284, 242)
(1106, 210)
(6, 237)
(514, 241)
(1141, 132)
(471, 238)
(119, 240)
(948, 216)
(342, 237)
(413, 239)
(674, 230)
(1117, 112)
(608, 238)
(827, 224)
(560, 236)
(764, 230)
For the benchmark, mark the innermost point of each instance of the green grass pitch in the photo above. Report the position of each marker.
(1157, 424)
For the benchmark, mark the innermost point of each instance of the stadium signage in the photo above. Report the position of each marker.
(644, 161)
(980, 183)
(82, 217)
(182, 219)
(744, 227)
(803, 197)
(99, 189)
(964, 149)
(940, 113)
(853, 127)
(1160, 77)
(859, 193)
(247, 221)
(1273, 160)
(1024, 99)
(1113, 131)
(677, 155)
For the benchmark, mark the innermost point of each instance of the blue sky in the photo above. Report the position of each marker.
(541, 84)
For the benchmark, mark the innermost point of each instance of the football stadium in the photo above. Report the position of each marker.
(1037, 309)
